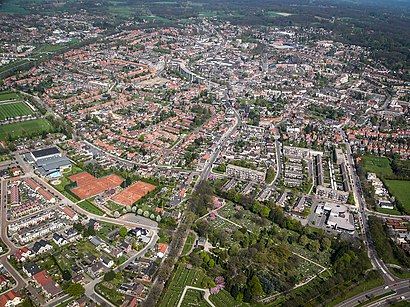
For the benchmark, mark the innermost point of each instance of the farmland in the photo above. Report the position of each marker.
(32, 127)
(401, 190)
(14, 109)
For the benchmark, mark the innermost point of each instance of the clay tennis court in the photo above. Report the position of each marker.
(133, 193)
(82, 178)
(96, 186)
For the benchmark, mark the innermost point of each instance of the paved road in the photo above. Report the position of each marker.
(401, 289)
(208, 164)
(355, 183)
(21, 283)
(279, 166)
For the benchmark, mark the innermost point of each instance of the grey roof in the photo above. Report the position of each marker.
(53, 163)
(45, 152)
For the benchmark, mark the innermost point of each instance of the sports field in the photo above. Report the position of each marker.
(8, 96)
(401, 190)
(96, 186)
(82, 178)
(133, 193)
(14, 109)
(30, 127)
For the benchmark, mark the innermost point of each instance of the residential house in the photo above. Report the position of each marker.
(31, 269)
(59, 239)
(41, 247)
(162, 249)
(23, 254)
(117, 253)
(72, 235)
(3, 281)
(10, 299)
(107, 261)
(96, 269)
(50, 287)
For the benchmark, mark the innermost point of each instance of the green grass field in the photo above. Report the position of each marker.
(401, 190)
(87, 206)
(195, 277)
(12, 110)
(32, 127)
(8, 96)
(380, 166)
(194, 298)
(188, 244)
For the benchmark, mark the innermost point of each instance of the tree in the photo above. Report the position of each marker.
(314, 246)
(110, 275)
(75, 290)
(79, 227)
(265, 211)
(123, 232)
(66, 275)
(303, 240)
(325, 244)
(27, 303)
(255, 285)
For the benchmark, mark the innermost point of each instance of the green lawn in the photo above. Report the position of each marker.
(380, 166)
(401, 190)
(224, 298)
(188, 244)
(113, 206)
(12, 110)
(388, 211)
(32, 127)
(194, 298)
(8, 96)
(87, 206)
(109, 291)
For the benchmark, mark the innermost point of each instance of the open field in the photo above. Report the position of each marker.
(380, 166)
(31, 127)
(133, 193)
(87, 206)
(12, 110)
(401, 190)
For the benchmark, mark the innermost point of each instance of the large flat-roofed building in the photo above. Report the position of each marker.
(245, 173)
(49, 161)
(45, 153)
(339, 216)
